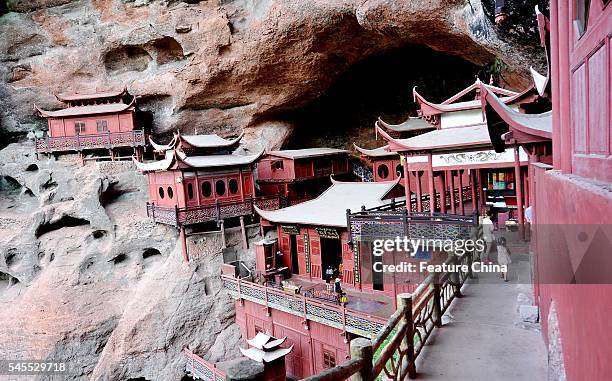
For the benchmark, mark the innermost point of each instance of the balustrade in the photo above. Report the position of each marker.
(95, 141)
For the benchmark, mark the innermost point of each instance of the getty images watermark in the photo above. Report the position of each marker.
(414, 246)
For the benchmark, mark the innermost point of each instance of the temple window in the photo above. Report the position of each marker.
(101, 125)
(206, 189)
(329, 359)
(220, 187)
(399, 170)
(161, 192)
(233, 186)
(79, 127)
(170, 192)
(277, 165)
(190, 191)
(383, 171)
(581, 16)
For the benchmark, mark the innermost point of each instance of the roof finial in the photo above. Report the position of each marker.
(491, 80)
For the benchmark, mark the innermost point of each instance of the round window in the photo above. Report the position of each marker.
(233, 186)
(170, 192)
(161, 192)
(399, 170)
(206, 189)
(220, 187)
(383, 171)
(190, 191)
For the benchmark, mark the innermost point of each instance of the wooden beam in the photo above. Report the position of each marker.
(407, 185)
(452, 192)
(419, 192)
(443, 192)
(461, 206)
(432, 187)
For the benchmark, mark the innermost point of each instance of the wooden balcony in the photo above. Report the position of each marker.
(200, 369)
(314, 309)
(214, 212)
(97, 141)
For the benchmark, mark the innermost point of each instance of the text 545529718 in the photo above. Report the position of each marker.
(32, 367)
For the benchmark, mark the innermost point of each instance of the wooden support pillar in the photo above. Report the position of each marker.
(461, 207)
(443, 192)
(481, 199)
(245, 241)
(222, 230)
(419, 192)
(183, 238)
(408, 366)
(407, 185)
(112, 154)
(519, 186)
(473, 189)
(527, 182)
(452, 191)
(432, 187)
(361, 349)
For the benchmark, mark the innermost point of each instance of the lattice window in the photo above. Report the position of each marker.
(101, 126)
(329, 359)
(79, 128)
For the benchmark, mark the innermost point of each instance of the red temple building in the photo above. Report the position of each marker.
(202, 178)
(571, 197)
(315, 242)
(300, 174)
(93, 122)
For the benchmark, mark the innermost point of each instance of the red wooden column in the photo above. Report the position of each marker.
(443, 192)
(461, 207)
(481, 200)
(452, 191)
(527, 182)
(432, 187)
(407, 185)
(419, 192)
(518, 185)
(473, 189)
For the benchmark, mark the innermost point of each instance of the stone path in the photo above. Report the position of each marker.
(481, 339)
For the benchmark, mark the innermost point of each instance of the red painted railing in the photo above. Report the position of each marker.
(327, 313)
(95, 141)
(200, 369)
(214, 212)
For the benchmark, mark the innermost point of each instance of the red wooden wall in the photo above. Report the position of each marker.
(119, 122)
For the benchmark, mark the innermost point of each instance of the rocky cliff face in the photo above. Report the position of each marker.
(222, 65)
(87, 278)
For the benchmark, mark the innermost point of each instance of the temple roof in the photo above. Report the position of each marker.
(502, 119)
(98, 95)
(197, 141)
(443, 139)
(265, 348)
(451, 104)
(411, 124)
(88, 110)
(329, 209)
(306, 152)
(375, 152)
(199, 162)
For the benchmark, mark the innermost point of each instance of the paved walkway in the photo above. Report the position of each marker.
(481, 340)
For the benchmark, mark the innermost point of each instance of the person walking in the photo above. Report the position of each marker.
(503, 256)
(488, 236)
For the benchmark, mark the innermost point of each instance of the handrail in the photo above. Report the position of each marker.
(90, 141)
(411, 325)
(208, 372)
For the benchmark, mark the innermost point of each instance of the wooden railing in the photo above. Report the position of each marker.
(393, 352)
(215, 212)
(314, 309)
(134, 138)
(200, 369)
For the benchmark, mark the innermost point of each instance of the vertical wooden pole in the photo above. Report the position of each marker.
(461, 206)
(452, 192)
(443, 192)
(473, 189)
(245, 241)
(407, 185)
(404, 303)
(518, 185)
(419, 192)
(481, 200)
(183, 238)
(432, 187)
(222, 227)
(361, 348)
